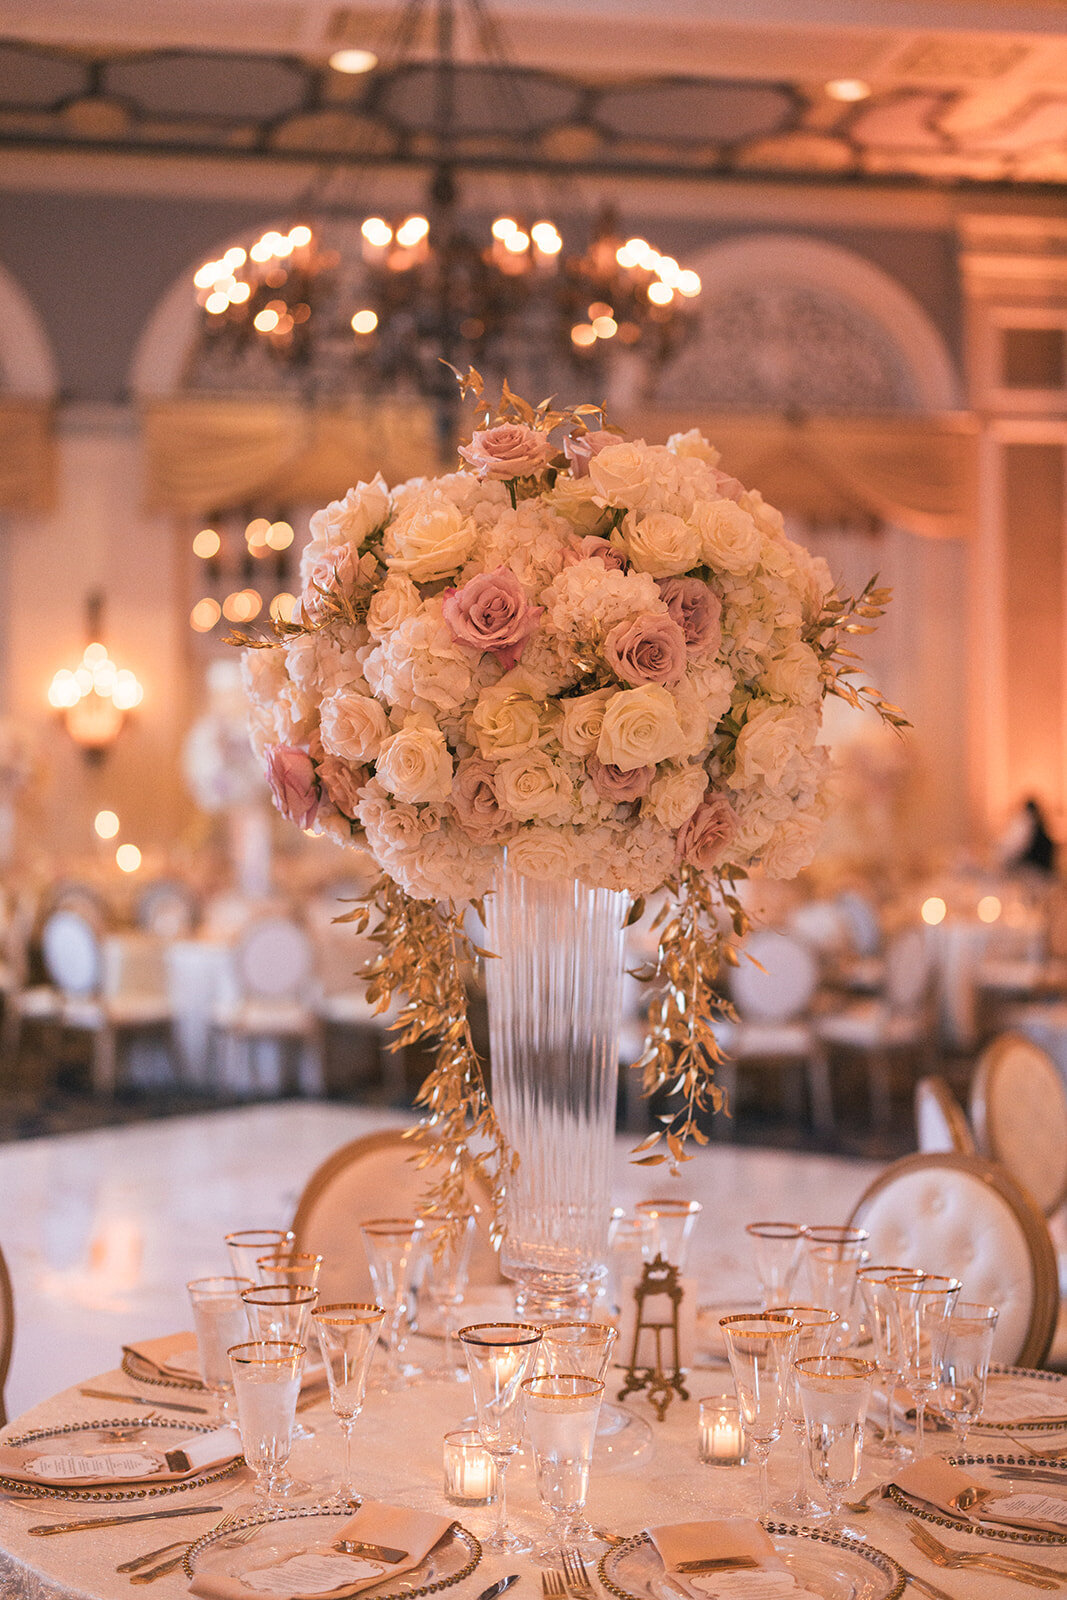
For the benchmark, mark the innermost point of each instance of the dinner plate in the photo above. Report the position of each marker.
(974, 1524)
(293, 1530)
(825, 1564)
(89, 1437)
(1040, 1384)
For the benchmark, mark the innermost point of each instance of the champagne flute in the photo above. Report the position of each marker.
(500, 1356)
(923, 1305)
(448, 1256)
(220, 1321)
(880, 1304)
(777, 1248)
(816, 1327)
(965, 1355)
(561, 1416)
(834, 1392)
(266, 1377)
(392, 1245)
(673, 1221)
(761, 1350)
(347, 1333)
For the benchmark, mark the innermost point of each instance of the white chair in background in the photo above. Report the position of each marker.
(1018, 1107)
(967, 1217)
(341, 1004)
(940, 1121)
(773, 1029)
(273, 969)
(167, 908)
(896, 1023)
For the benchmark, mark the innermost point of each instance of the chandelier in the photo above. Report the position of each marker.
(385, 304)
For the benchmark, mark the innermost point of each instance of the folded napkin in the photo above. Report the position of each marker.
(321, 1571)
(173, 1356)
(62, 1464)
(739, 1537)
(938, 1483)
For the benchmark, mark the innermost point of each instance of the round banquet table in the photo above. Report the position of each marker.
(399, 1456)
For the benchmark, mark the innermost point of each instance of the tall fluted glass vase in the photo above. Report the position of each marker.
(555, 995)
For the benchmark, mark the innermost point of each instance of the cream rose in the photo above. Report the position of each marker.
(542, 852)
(353, 519)
(791, 846)
(583, 718)
(729, 538)
(572, 498)
(794, 675)
(430, 539)
(675, 795)
(415, 765)
(354, 726)
(693, 445)
(532, 788)
(621, 474)
(661, 543)
(774, 748)
(641, 727)
(506, 721)
(396, 601)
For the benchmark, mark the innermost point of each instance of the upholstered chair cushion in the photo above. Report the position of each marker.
(1019, 1114)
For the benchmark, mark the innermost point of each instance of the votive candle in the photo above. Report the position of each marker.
(722, 1438)
(470, 1472)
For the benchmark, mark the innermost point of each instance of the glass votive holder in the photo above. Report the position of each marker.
(470, 1471)
(722, 1437)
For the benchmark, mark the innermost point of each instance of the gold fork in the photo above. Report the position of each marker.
(577, 1575)
(956, 1560)
(552, 1585)
(1042, 1571)
(174, 1562)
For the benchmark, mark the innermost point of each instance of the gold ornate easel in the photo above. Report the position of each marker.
(659, 1280)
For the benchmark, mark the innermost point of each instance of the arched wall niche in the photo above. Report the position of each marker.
(27, 365)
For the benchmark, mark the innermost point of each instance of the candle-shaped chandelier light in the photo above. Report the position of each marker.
(95, 696)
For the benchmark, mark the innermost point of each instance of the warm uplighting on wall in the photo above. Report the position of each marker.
(105, 824)
(94, 697)
(933, 911)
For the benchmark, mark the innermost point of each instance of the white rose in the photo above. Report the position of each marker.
(675, 795)
(572, 498)
(774, 748)
(263, 674)
(729, 538)
(621, 474)
(506, 721)
(542, 852)
(261, 730)
(766, 517)
(396, 601)
(354, 726)
(794, 675)
(661, 543)
(641, 727)
(693, 444)
(791, 846)
(532, 787)
(430, 539)
(415, 764)
(583, 718)
(353, 519)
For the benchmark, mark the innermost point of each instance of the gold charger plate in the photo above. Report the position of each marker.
(75, 1435)
(291, 1529)
(823, 1564)
(985, 1530)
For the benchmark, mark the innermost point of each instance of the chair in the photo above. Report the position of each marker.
(167, 908)
(1018, 1107)
(273, 969)
(940, 1121)
(372, 1177)
(968, 1217)
(895, 1023)
(772, 1027)
(7, 1331)
(342, 1007)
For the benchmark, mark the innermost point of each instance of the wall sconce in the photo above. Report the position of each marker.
(94, 696)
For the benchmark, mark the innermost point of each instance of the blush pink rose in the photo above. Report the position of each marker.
(594, 548)
(291, 775)
(510, 450)
(491, 612)
(335, 568)
(650, 649)
(580, 448)
(706, 838)
(612, 783)
(475, 804)
(342, 780)
(697, 610)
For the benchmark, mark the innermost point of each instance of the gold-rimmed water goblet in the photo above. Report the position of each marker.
(777, 1251)
(266, 1378)
(500, 1356)
(761, 1349)
(875, 1283)
(834, 1256)
(834, 1394)
(282, 1311)
(393, 1246)
(447, 1251)
(220, 1321)
(816, 1327)
(246, 1245)
(966, 1351)
(561, 1417)
(672, 1221)
(584, 1349)
(290, 1266)
(347, 1333)
(923, 1306)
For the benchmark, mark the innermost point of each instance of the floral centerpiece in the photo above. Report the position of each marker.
(600, 657)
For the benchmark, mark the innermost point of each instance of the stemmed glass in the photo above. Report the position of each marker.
(834, 1392)
(281, 1311)
(582, 1349)
(248, 1244)
(816, 1326)
(965, 1355)
(220, 1321)
(266, 1377)
(761, 1349)
(629, 1247)
(777, 1248)
(883, 1319)
(393, 1245)
(448, 1257)
(923, 1305)
(561, 1416)
(500, 1356)
(835, 1255)
(672, 1223)
(290, 1266)
(347, 1334)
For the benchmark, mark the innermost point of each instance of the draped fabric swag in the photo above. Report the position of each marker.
(27, 454)
(916, 472)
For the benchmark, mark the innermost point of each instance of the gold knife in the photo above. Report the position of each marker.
(43, 1528)
(140, 1400)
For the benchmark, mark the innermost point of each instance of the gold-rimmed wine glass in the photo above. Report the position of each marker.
(561, 1417)
(816, 1327)
(220, 1320)
(879, 1298)
(761, 1349)
(266, 1377)
(347, 1332)
(834, 1256)
(923, 1305)
(777, 1249)
(672, 1221)
(246, 1245)
(834, 1394)
(290, 1266)
(500, 1356)
(448, 1245)
(966, 1350)
(393, 1245)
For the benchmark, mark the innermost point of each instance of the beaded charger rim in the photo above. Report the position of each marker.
(869, 1552)
(263, 1519)
(1044, 1425)
(138, 1491)
(961, 1524)
(141, 1371)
